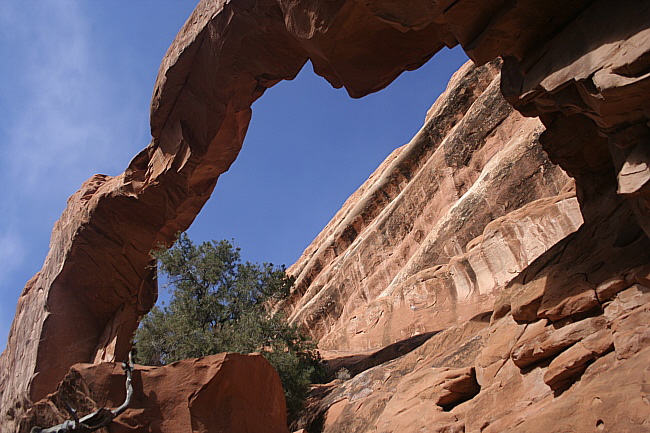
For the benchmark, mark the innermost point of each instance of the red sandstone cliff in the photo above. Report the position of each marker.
(412, 251)
(477, 296)
(565, 314)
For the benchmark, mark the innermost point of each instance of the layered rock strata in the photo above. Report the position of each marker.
(589, 84)
(565, 348)
(581, 66)
(439, 229)
(586, 58)
(97, 279)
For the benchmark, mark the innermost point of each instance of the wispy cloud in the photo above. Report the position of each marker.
(61, 121)
(59, 124)
(57, 131)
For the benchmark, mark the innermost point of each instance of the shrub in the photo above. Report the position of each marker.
(220, 304)
(343, 374)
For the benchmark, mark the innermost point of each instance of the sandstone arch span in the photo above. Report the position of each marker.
(96, 281)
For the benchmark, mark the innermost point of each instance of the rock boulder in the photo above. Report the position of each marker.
(219, 393)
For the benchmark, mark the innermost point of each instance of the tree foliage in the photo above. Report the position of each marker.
(220, 304)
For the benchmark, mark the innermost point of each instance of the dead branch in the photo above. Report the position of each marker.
(98, 419)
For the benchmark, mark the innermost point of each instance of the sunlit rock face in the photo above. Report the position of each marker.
(566, 62)
(218, 393)
(440, 228)
(581, 67)
(97, 280)
(563, 347)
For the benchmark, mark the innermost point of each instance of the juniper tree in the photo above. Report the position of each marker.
(220, 304)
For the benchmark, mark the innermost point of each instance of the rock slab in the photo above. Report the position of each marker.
(219, 393)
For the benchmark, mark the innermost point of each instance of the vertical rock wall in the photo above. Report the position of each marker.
(563, 347)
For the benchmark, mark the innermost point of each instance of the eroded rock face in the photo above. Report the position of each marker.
(97, 280)
(566, 320)
(589, 84)
(416, 248)
(564, 347)
(226, 392)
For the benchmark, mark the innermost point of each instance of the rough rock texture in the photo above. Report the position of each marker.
(219, 393)
(588, 81)
(439, 229)
(563, 348)
(566, 340)
(581, 66)
(84, 305)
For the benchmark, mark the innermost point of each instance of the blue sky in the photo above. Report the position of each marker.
(75, 83)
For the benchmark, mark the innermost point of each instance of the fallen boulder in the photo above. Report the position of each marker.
(227, 392)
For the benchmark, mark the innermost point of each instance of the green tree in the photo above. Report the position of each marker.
(220, 304)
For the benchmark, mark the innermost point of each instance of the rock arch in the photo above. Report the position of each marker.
(96, 281)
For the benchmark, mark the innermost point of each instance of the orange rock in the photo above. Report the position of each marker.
(627, 300)
(569, 365)
(567, 298)
(607, 289)
(612, 401)
(541, 342)
(414, 250)
(225, 392)
(632, 332)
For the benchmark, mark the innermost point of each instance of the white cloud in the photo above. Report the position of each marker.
(67, 123)
(58, 126)
(54, 131)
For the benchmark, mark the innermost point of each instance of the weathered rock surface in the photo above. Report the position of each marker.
(218, 393)
(566, 320)
(519, 368)
(439, 229)
(562, 349)
(589, 84)
(96, 282)
(407, 393)
(582, 67)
